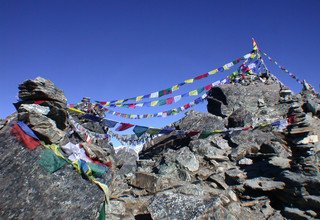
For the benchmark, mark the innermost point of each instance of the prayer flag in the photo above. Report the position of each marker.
(124, 126)
(140, 130)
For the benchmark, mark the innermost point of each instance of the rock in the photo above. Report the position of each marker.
(41, 195)
(97, 153)
(179, 206)
(206, 149)
(187, 159)
(232, 195)
(309, 140)
(145, 165)
(145, 181)
(159, 144)
(199, 121)
(126, 155)
(38, 109)
(44, 127)
(263, 184)
(240, 118)
(294, 213)
(219, 181)
(126, 161)
(203, 173)
(41, 89)
(245, 161)
(281, 162)
(235, 176)
(312, 104)
(226, 99)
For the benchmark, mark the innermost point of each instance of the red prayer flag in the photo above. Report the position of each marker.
(169, 100)
(39, 102)
(28, 141)
(124, 126)
(202, 76)
(186, 106)
(208, 87)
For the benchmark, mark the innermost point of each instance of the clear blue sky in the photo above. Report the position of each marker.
(118, 49)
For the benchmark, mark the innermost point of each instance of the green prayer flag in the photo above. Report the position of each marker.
(200, 90)
(162, 102)
(97, 170)
(205, 134)
(51, 162)
(102, 214)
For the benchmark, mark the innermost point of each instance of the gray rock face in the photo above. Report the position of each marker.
(30, 192)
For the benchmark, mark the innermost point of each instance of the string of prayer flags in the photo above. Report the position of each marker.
(169, 100)
(174, 88)
(167, 113)
(292, 75)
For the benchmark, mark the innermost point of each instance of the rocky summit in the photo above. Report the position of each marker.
(260, 161)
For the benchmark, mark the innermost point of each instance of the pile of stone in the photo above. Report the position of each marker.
(264, 173)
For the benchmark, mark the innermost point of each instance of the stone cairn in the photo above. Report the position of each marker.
(302, 139)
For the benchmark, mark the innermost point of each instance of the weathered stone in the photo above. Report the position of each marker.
(206, 149)
(179, 206)
(245, 161)
(235, 176)
(43, 126)
(309, 139)
(187, 159)
(240, 118)
(198, 121)
(145, 181)
(97, 153)
(294, 213)
(281, 162)
(38, 109)
(41, 89)
(219, 181)
(263, 184)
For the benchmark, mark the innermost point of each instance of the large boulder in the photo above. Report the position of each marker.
(246, 104)
(30, 192)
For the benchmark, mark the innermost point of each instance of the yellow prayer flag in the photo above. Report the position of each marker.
(76, 110)
(175, 87)
(253, 55)
(154, 103)
(213, 71)
(138, 98)
(193, 93)
(119, 101)
(189, 81)
(225, 67)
